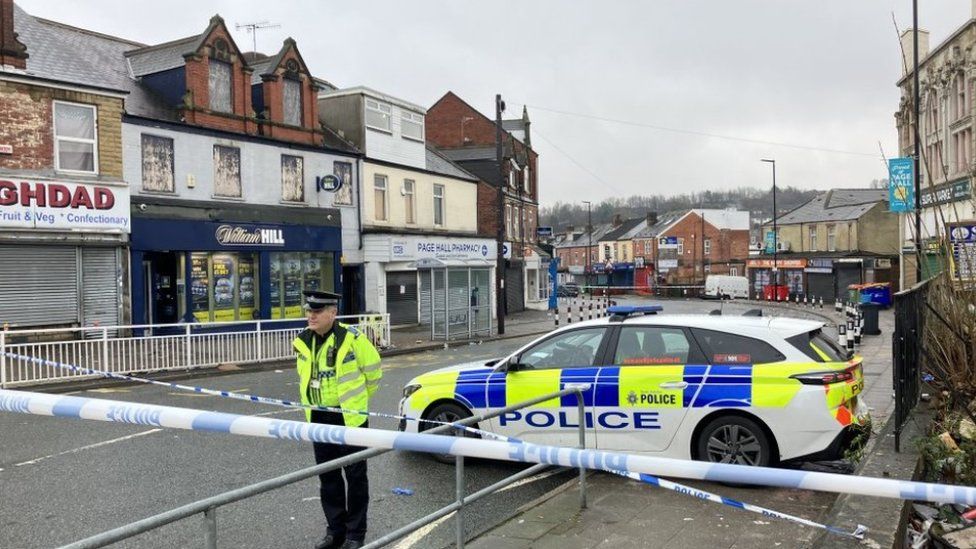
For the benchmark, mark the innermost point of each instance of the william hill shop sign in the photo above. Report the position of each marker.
(235, 235)
(60, 205)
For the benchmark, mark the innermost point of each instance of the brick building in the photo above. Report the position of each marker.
(64, 207)
(672, 250)
(467, 137)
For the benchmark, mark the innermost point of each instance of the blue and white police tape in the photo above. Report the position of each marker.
(289, 404)
(182, 418)
(243, 396)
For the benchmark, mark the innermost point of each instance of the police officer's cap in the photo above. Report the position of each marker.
(316, 300)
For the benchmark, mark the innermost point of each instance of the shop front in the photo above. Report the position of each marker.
(186, 270)
(820, 278)
(62, 252)
(788, 274)
(404, 274)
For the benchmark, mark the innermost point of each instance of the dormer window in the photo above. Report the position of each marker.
(292, 98)
(220, 87)
(412, 125)
(378, 116)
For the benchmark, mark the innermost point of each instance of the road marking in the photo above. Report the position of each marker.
(419, 535)
(89, 447)
(108, 390)
(531, 479)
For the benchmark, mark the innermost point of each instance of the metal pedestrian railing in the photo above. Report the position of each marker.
(157, 347)
(208, 507)
(907, 353)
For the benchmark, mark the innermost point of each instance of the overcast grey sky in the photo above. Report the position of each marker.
(814, 74)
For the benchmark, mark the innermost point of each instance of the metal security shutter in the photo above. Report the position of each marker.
(845, 277)
(401, 297)
(514, 292)
(425, 295)
(100, 286)
(38, 285)
(821, 285)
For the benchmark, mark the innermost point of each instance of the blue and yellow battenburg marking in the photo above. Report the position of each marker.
(637, 387)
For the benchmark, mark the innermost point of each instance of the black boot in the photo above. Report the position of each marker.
(351, 544)
(329, 542)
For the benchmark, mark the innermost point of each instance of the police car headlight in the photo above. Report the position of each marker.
(409, 390)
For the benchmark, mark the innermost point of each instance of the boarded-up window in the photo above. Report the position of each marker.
(157, 164)
(220, 86)
(293, 102)
(343, 170)
(227, 171)
(292, 178)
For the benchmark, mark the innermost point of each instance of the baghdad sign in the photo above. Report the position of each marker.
(61, 205)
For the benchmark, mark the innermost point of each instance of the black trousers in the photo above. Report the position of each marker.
(343, 502)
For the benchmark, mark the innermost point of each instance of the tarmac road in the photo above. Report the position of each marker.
(63, 480)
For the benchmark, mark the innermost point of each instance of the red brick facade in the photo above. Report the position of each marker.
(243, 119)
(727, 249)
(451, 123)
(28, 114)
(13, 53)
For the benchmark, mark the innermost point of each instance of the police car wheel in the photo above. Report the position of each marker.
(734, 439)
(447, 413)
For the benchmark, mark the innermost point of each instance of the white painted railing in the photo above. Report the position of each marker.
(159, 347)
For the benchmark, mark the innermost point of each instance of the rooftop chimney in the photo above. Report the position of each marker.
(907, 47)
(13, 52)
(652, 216)
(617, 220)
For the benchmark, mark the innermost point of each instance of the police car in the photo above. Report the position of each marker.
(745, 389)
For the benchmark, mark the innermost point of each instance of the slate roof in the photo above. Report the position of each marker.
(663, 222)
(582, 239)
(162, 57)
(485, 170)
(471, 153)
(53, 49)
(438, 163)
(622, 232)
(834, 205)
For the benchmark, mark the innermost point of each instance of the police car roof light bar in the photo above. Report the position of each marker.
(620, 312)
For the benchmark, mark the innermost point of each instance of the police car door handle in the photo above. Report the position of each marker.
(674, 385)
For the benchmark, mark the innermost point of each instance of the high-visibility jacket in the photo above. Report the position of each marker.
(347, 368)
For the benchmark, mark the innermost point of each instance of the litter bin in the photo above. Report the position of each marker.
(870, 312)
(879, 293)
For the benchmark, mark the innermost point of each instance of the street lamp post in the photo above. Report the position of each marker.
(589, 236)
(775, 232)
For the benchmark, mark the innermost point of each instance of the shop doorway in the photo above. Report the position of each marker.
(161, 272)
(352, 283)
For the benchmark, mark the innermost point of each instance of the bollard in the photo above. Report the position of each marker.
(850, 330)
(590, 309)
(821, 302)
(837, 306)
(557, 313)
(850, 345)
(842, 335)
(581, 310)
(857, 333)
(569, 312)
(804, 299)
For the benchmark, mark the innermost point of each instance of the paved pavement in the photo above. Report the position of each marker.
(623, 513)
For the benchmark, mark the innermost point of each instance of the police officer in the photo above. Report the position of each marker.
(337, 367)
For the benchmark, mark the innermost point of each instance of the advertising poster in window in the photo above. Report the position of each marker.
(200, 287)
(293, 286)
(224, 269)
(275, 275)
(246, 288)
(313, 273)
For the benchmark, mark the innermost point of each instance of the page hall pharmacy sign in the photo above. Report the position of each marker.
(61, 205)
(235, 235)
(447, 248)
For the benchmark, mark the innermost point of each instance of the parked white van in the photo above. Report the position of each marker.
(724, 286)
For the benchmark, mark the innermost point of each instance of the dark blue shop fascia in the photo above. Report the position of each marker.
(185, 236)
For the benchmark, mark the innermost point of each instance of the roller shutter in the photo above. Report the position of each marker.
(38, 285)
(845, 277)
(100, 286)
(401, 297)
(514, 289)
(821, 285)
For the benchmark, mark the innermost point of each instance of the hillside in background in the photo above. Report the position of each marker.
(757, 201)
